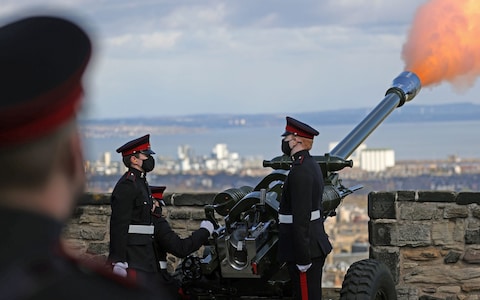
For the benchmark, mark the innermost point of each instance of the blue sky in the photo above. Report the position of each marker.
(173, 57)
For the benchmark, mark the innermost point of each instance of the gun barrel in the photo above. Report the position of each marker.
(404, 88)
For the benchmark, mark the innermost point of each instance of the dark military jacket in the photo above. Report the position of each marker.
(131, 204)
(303, 239)
(33, 265)
(168, 241)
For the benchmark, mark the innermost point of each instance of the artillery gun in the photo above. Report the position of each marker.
(239, 261)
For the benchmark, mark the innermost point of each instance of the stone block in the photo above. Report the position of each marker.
(417, 212)
(472, 287)
(178, 224)
(179, 214)
(414, 234)
(472, 256)
(381, 205)
(382, 233)
(198, 214)
(464, 198)
(406, 196)
(432, 275)
(103, 210)
(452, 257)
(406, 292)
(443, 232)
(472, 236)
(93, 219)
(475, 210)
(390, 256)
(94, 199)
(455, 211)
(100, 248)
(421, 253)
(199, 199)
(450, 289)
(436, 196)
(93, 234)
(76, 214)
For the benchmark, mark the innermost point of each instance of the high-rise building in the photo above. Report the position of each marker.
(376, 160)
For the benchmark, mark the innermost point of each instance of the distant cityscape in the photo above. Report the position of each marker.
(375, 168)
(223, 169)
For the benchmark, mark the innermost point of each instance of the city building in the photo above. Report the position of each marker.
(376, 160)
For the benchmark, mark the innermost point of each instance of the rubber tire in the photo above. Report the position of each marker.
(368, 279)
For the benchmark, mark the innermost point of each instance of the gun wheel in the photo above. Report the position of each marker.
(368, 279)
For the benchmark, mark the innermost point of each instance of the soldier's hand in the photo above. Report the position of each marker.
(120, 268)
(207, 225)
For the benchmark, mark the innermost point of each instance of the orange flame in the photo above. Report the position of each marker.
(444, 43)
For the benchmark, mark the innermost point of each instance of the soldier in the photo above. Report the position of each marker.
(43, 59)
(303, 243)
(136, 226)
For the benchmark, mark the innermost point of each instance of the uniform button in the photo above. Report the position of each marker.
(144, 202)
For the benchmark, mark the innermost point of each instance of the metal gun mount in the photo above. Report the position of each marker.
(240, 258)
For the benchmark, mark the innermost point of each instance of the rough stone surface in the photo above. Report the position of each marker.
(430, 240)
(381, 205)
(455, 211)
(475, 209)
(406, 196)
(438, 237)
(381, 233)
(419, 212)
(414, 234)
(472, 256)
(436, 196)
(467, 198)
(452, 257)
(472, 236)
(390, 256)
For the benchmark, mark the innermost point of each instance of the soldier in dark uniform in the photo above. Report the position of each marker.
(303, 243)
(43, 59)
(136, 227)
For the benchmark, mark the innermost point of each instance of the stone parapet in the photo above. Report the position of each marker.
(429, 240)
(87, 234)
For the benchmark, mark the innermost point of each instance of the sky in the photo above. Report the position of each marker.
(170, 57)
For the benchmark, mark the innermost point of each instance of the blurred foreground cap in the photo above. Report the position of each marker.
(42, 60)
(299, 128)
(140, 145)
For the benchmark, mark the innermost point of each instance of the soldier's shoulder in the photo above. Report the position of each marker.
(299, 160)
(130, 176)
(127, 177)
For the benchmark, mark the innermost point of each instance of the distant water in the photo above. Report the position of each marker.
(432, 140)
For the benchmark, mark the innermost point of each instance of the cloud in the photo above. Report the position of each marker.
(196, 56)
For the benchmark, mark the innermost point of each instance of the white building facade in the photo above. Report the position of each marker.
(376, 160)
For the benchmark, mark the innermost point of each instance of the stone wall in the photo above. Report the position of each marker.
(429, 240)
(87, 234)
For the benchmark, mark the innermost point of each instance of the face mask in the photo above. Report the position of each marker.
(286, 148)
(148, 164)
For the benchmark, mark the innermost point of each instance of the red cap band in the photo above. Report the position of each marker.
(299, 132)
(139, 148)
(35, 119)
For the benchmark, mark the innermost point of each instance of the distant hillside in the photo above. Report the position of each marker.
(407, 113)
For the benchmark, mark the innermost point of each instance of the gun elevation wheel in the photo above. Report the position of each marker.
(368, 279)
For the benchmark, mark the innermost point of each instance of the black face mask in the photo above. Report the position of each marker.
(148, 164)
(286, 148)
